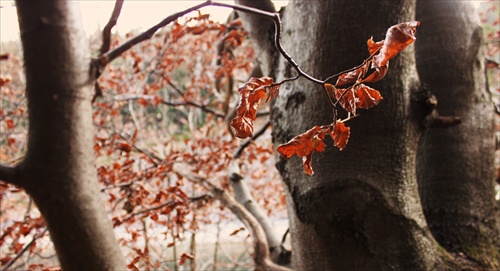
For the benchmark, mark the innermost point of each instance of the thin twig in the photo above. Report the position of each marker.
(246, 143)
(151, 156)
(120, 185)
(284, 236)
(25, 248)
(106, 32)
(169, 103)
(170, 203)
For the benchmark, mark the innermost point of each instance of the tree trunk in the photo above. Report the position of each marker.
(58, 170)
(361, 210)
(455, 165)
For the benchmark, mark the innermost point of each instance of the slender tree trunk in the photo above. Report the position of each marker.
(455, 165)
(58, 170)
(361, 211)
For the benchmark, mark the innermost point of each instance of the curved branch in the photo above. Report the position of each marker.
(242, 194)
(261, 255)
(106, 58)
(106, 32)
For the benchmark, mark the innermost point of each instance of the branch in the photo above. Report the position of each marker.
(279, 254)
(107, 57)
(170, 204)
(127, 97)
(106, 32)
(277, 36)
(246, 143)
(117, 186)
(434, 120)
(10, 174)
(25, 248)
(151, 156)
(261, 248)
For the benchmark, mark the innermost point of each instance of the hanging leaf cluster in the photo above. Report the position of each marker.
(350, 92)
(251, 93)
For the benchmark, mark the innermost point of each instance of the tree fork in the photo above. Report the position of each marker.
(58, 170)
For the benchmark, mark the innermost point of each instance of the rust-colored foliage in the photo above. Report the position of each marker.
(340, 135)
(304, 144)
(357, 95)
(367, 97)
(396, 39)
(251, 93)
(184, 257)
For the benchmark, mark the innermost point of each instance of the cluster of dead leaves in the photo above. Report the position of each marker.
(354, 95)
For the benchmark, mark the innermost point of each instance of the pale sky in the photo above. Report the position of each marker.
(135, 14)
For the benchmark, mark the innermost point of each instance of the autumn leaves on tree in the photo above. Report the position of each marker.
(355, 96)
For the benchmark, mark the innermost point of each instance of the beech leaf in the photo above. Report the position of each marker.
(353, 76)
(236, 231)
(251, 93)
(396, 39)
(367, 97)
(184, 257)
(307, 163)
(303, 145)
(340, 135)
(374, 46)
(377, 75)
(345, 96)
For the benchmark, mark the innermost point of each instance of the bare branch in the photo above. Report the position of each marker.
(261, 248)
(10, 174)
(170, 204)
(106, 32)
(151, 156)
(278, 253)
(106, 58)
(246, 143)
(169, 103)
(23, 250)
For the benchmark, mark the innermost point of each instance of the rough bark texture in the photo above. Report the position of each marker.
(361, 211)
(58, 170)
(455, 165)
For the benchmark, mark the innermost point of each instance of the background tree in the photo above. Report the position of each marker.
(455, 165)
(58, 170)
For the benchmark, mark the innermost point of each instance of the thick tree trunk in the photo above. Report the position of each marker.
(361, 211)
(455, 165)
(58, 170)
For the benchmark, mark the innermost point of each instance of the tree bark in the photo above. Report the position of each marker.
(456, 165)
(261, 31)
(361, 210)
(58, 169)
